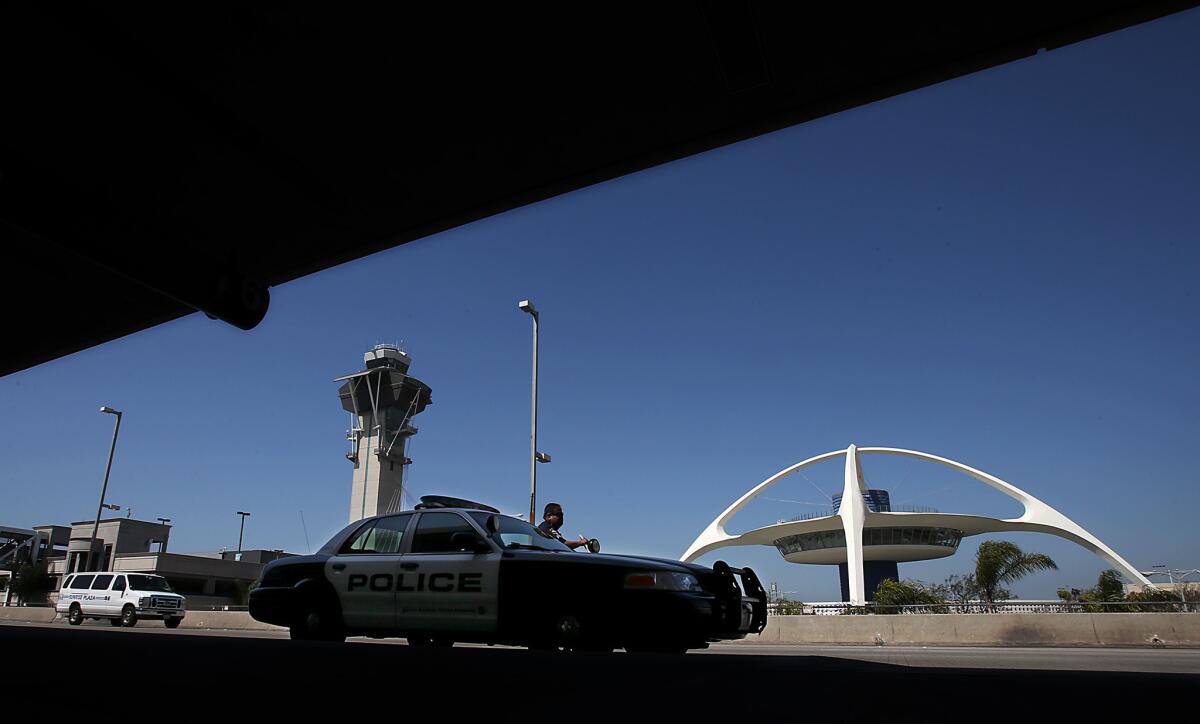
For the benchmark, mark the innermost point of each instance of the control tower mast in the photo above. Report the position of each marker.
(382, 401)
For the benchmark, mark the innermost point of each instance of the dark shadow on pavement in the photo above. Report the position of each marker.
(272, 677)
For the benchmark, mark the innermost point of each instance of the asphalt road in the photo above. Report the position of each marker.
(211, 670)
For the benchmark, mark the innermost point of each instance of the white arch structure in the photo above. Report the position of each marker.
(1038, 517)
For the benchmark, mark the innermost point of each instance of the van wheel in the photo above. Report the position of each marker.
(115, 621)
(75, 615)
(128, 617)
(172, 622)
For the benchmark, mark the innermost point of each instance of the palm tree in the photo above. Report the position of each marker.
(1000, 561)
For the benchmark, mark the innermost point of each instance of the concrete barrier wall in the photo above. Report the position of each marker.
(1001, 629)
(26, 614)
(232, 620)
(237, 620)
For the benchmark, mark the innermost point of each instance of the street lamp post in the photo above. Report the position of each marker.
(240, 530)
(1170, 574)
(527, 307)
(103, 489)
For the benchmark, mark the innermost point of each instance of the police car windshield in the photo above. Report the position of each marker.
(149, 583)
(515, 533)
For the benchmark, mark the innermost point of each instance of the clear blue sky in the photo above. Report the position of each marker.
(1000, 269)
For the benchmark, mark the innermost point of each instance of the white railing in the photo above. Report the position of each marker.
(840, 608)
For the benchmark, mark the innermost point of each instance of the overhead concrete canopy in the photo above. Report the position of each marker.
(263, 143)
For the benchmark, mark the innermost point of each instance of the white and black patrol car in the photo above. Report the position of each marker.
(441, 575)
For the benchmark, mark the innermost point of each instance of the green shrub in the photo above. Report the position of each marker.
(30, 582)
(786, 607)
(892, 594)
(1154, 600)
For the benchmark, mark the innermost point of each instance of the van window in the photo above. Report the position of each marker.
(67, 583)
(82, 581)
(148, 583)
(119, 584)
(102, 582)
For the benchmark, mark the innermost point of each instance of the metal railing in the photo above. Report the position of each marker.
(977, 607)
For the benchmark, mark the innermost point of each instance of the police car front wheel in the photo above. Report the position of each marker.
(316, 625)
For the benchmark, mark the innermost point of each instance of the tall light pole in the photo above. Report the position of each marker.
(1170, 574)
(240, 530)
(104, 489)
(527, 307)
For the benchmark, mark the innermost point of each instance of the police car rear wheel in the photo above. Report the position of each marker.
(75, 615)
(129, 617)
(115, 621)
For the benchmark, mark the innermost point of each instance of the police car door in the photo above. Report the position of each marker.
(444, 587)
(364, 572)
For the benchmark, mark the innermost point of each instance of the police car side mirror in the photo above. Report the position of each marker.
(469, 542)
(493, 524)
(593, 545)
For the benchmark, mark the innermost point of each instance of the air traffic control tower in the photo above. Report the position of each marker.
(382, 401)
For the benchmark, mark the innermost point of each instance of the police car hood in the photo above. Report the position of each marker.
(667, 562)
(617, 561)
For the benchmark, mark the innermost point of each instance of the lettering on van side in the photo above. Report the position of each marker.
(407, 582)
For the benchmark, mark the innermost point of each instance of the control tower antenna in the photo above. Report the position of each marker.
(382, 400)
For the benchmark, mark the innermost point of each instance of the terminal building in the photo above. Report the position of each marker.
(129, 545)
(884, 548)
(382, 400)
(866, 539)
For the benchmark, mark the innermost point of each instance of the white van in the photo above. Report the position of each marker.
(122, 598)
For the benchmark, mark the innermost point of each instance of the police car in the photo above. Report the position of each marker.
(122, 598)
(439, 575)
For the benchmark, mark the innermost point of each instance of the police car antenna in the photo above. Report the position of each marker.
(307, 545)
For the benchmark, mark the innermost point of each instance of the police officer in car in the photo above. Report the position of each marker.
(552, 521)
